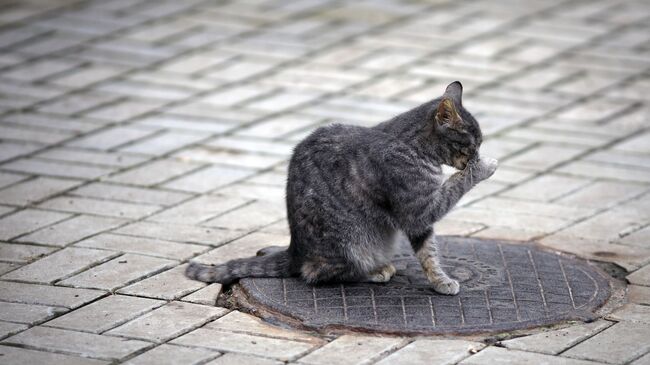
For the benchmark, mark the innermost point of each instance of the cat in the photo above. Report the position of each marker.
(351, 190)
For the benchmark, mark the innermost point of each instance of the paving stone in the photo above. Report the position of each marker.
(207, 295)
(59, 169)
(631, 312)
(15, 252)
(198, 210)
(643, 360)
(26, 221)
(171, 284)
(71, 230)
(119, 272)
(235, 95)
(79, 343)
(154, 173)
(208, 179)
(7, 329)
(432, 352)
(278, 126)
(77, 103)
(130, 194)
(496, 355)
(99, 207)
(546, 187)
(125, 110)
(92, 157)
(40, 69)
(180, 233)
(556, 341)
(54, 296)
(601, 194)
(543, 157)
(169, 321)
(170, 355)
(233, 358)
(240, 159)
(111, 138)
(86, 76)
(163, 143)
(238, 322)
(638, 294)
(8, 178)
(105, 313)
(249, 217)
(59, 265)
(509, 219)
(280, 349)
(618, 344)
(34, 190)
(143, 246)
(349, 349)
(243, 247)
(28, 313)
(20, 356)
(600, 170)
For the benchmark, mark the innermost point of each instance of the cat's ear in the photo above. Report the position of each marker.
(446, 113)
(454, 92)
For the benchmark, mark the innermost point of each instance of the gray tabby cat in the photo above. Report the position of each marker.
(351, 190)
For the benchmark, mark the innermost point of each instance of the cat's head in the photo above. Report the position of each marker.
(458, 133)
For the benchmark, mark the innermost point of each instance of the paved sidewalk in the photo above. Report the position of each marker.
(138, 134)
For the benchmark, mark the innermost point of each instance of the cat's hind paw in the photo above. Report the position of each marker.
(446, 286)
(383, 275)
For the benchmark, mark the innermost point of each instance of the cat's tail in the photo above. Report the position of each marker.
(277, 264)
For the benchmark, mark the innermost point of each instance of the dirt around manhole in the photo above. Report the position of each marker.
(504, 287)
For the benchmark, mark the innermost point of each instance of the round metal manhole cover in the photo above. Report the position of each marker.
(504, 287)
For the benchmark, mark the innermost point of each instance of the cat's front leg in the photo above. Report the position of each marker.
(426, 251)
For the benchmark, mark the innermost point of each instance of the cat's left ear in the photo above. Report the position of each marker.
(454, 92)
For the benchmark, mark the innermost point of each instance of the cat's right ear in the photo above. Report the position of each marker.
(454, 91)
(446, 113)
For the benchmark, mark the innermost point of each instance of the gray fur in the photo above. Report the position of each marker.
(351, 190)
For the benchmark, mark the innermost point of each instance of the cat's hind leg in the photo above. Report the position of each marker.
(383, 274)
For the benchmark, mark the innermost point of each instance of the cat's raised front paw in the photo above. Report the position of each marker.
(446, 286)
(486, 167)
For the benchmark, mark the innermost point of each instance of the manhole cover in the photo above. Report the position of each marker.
(503, 287)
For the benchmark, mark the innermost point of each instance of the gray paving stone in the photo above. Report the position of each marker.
(180, 233)
(130, 194)
(243, 247)
(40, 69)
(233, 358)
(15, 252)
(26, 221)
(543, 157)
(169, 321)
(239, 159)
(28, 313)
(198, 210)
(99, 207)
(640, 276)
(59, 169)
(631, 312)
(238, 322)
(125, 110)
(71, 230)
(8, 178)
(207, 295)
(170, 355)
(249, 217)
(79, 343)
(554, 342)
(7, 328)
(618, 344)
(280, 349)
(169, 285)
(34, 190)
(154, 173)
(59, 265)
(92, 157)
(86, 76)
(209, 178)
(54, 296)
(143, 246)
(105, 313)
(20, 356)
(349, 349)
(433, 352)
(546, 187)
(638, 294)
(118, 272)
(111, 138)
(602, 194)
(163, 143)
(496, 355)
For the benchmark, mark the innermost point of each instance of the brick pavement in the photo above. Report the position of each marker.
(137, 134)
